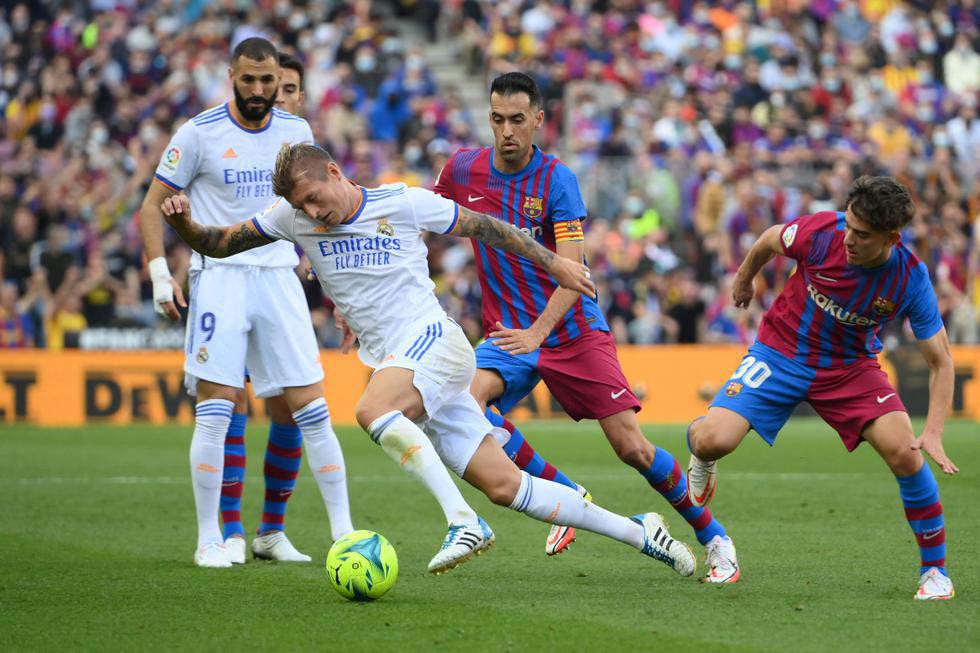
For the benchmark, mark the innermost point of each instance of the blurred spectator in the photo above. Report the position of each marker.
(692, 126)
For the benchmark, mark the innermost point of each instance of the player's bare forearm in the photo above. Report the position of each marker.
(762, 251)
(562, 300)
(151, 220)
(935, 351)
(496, 233)
(220, 242)
(216, 242)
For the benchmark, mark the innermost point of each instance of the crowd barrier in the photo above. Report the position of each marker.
(674, 383)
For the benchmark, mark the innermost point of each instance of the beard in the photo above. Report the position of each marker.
(253, 114)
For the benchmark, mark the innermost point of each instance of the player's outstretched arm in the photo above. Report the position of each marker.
(165, 290)
(764, 250)
(496, 233)
(216, 242)
(941, 375)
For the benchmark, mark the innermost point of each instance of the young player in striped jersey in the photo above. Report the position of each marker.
(536, 331)
(818, 343)
(224, 159)
(367, 250)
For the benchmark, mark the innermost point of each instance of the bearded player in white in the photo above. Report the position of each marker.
(248, 310)
(367, 250)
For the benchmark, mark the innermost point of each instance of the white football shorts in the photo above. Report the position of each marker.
(444, 363)
(248, 316)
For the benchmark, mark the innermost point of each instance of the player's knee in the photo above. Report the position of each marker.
(902, 459)
(636, 452)
(278, 410)
(501, 491)
(709, 441)
(365, 413)
(241, 400)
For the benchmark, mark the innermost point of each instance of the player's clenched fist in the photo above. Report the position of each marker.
(176, 205)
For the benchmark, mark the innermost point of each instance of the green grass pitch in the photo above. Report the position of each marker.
(99, 531)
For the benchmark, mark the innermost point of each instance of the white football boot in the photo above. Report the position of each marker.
(935, 586)
(658, 544)
(274, 545)
(462, 542)
(212, 555)
(560, 538)
(722, 563)
(702, 478)
(235, 547)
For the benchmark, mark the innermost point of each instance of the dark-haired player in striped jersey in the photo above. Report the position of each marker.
(818, 343)
(537, 331)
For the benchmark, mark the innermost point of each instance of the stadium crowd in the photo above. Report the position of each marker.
(692, 126)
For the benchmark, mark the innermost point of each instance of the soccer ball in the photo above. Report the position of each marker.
(362, 566)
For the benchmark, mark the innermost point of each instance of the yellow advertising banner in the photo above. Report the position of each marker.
(675, 384)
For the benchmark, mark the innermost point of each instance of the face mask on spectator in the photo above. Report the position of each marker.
(413, 154)
(149, 133)
(832, 84)
(733, 61)
(817, 131)
(588, 110)
(940, 139)
(827, 59)
(364, 63)
(928, 46)
(633, 205)
(925, 77)
(100, 135)
(924, 113)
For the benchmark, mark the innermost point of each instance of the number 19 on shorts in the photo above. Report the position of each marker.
(752, 372)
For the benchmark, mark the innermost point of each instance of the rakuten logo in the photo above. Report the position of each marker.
(830, 306)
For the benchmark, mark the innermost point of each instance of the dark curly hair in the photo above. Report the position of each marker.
(882, 202)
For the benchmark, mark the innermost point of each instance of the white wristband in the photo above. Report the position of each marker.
(159, 272)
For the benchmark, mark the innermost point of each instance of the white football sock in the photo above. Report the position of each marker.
(555, 503)
(326, 460)
(409, 446)
(211, 421)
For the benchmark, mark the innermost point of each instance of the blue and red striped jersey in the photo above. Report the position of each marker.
(541, 200)
(830, 312)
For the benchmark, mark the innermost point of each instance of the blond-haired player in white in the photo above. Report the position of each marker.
(367, 249)
(248, 310)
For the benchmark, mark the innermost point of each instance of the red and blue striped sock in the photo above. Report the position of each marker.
(233, 480)
(282, 460)
(667, 478)
(524, 456)
(920, 495)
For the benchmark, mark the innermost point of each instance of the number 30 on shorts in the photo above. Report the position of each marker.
(753, 372)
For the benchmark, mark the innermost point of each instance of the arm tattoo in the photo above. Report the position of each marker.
(220, 242)
(499, 234)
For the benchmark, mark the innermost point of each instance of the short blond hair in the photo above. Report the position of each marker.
(296, 161)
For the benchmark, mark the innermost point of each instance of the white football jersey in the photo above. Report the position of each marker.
(374, 264)
(226, 170)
